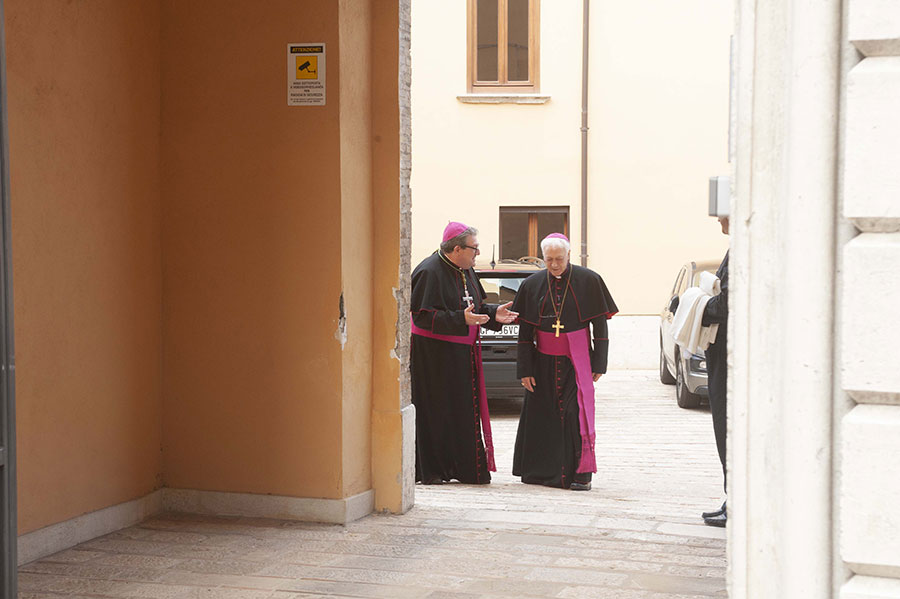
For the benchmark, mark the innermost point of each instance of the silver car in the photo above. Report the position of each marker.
(676, 367)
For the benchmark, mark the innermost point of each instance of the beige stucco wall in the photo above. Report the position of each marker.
(470, 159)
(83, 93)
(658, 111)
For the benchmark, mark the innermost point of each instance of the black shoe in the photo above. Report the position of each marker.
(718, 512)
(577, 486)
(719, 521)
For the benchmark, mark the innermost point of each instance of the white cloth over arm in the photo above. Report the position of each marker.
(687, 326)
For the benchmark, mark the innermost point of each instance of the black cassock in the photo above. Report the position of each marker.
(445, 375)
(549, 439)
(716, 312)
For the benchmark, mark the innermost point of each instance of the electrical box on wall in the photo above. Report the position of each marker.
(719, 195)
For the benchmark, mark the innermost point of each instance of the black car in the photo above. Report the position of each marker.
(501, 281)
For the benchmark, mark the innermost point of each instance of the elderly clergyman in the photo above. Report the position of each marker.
(559, 360)
(453, 428)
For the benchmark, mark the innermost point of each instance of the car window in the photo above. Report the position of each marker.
(501, 290)
(693, 279)
(685, 280)
(696, 277)
(682, 279)
(675, 287)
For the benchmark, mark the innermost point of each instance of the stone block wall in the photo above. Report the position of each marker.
(869, 363)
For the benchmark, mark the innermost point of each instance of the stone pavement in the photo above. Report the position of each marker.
(636, 535)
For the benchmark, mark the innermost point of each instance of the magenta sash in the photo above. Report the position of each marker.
(577, 347)
(470, 339)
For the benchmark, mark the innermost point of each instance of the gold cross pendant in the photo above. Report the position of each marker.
(557, 326)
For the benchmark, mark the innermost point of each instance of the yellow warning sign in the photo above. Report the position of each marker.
(307, 67)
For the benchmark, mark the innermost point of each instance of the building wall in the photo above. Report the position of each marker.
(869, 514)
(815, 418)
(198, 303)
(252, 242)
(469, 159)
(658, 130)
(658, 117)
(393, 415)
(83, 102)
(356, 244)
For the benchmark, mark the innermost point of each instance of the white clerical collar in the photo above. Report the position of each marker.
(559, 276)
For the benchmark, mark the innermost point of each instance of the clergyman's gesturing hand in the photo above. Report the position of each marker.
(473, 318)
(505, 315)
(528, 383)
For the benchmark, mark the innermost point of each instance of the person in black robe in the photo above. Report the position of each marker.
(716, 312)
(453, 434)
(558, 365)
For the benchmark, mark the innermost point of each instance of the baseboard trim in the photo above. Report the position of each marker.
(332, 511)
(63, 535)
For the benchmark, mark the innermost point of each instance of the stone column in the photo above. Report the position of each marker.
(393, 415)
(782, 299)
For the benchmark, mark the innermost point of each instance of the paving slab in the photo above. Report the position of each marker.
(636, 535)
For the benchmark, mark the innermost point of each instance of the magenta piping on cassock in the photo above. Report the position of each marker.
(577, 347)
(470, 339)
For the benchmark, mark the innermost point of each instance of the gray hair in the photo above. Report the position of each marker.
(459, 240)
(554, 242)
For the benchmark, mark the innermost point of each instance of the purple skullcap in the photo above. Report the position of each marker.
(453, 229)
(557, 236)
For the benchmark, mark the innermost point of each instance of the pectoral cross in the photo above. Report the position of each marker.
(557, 326)
(468, 299)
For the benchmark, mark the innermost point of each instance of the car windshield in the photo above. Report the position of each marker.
(502, 289)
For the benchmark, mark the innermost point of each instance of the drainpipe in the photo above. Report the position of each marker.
(585, 29)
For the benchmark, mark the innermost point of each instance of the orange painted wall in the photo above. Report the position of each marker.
(83, 101)
(387, 370)
(181, 241)
(251, 200)
(356, 243)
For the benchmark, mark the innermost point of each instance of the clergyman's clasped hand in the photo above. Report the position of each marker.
(529, 383)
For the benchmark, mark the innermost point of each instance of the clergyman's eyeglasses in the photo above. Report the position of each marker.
(471, 247)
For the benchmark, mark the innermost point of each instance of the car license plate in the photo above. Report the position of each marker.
(508, 330)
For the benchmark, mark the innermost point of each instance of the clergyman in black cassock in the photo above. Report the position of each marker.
(558, 361)
(716, 312)
(453, 434)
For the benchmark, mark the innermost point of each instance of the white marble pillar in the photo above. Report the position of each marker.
(782, 302)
